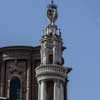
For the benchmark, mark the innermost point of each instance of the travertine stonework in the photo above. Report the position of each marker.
(19, 62)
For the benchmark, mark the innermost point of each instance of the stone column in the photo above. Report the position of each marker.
(65, 89)
(39, 90)
(58, 90)
(55, 90)
(8, 89)
(28, 81)
(54, 53)
(62, 91)
(2, 87)
(43, 90)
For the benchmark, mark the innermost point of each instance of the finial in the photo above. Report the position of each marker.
(52, 1)
(52, 12)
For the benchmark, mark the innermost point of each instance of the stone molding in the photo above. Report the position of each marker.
(51, 71)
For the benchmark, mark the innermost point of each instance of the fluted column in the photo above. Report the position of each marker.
(43, 91)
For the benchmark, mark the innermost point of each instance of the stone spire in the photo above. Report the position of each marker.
(51, 74)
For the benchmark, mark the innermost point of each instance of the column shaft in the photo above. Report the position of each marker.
(27, 85)
(8, 89)
(28, 94)
(62, 91)
(39, 90)
(55, 90)
(43, 91)
(2, 80)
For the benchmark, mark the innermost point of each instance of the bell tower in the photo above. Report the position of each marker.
(51, 75)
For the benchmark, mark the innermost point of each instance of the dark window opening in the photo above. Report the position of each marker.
(15, 89)
(50, 59)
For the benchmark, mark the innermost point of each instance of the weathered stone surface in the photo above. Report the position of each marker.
(20, 62)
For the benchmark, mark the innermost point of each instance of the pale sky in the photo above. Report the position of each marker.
(22, 22)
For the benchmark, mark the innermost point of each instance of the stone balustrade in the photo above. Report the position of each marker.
(54, 70)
